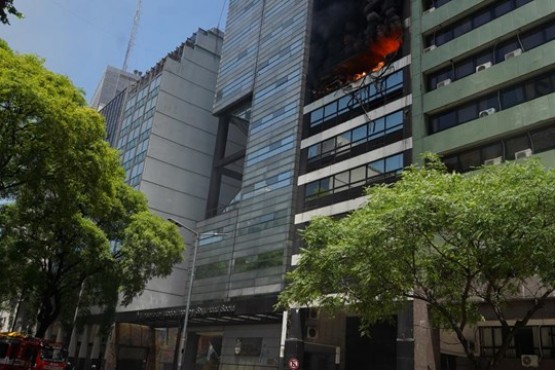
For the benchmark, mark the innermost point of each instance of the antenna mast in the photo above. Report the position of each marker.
(132, 36)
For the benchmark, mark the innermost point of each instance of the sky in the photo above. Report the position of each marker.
(79, 38)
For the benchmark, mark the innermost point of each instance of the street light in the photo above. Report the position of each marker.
(183, 339)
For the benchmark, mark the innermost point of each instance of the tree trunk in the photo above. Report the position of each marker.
(48, 313)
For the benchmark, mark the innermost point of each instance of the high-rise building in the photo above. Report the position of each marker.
(314, 103)
(163, 126)
(483, 81)
(113, 82)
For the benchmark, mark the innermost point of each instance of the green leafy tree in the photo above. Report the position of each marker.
(68, 222)
(460, 243)
(7, 8)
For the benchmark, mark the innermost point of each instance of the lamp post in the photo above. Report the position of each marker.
(183, 340)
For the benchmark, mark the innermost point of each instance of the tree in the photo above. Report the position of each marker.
(6, 8)
(460, 243)
(70, 224)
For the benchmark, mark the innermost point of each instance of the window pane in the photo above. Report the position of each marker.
(492, 151)
(316, 115)
(394, 119)
(452, 163)
(468, 113)
(341, 180)
(376, 168)
(470, 160)
(358, 176)
(512, 97)
(515, 145)
(447, 120)
(359, 133)
(394, 163)
(542, 86)
(330, 109)
(394, 79)
(344, 139)
(328, 146)
(464, 69)
(550, 32)
(343, 103)
(482, 18)
(377, 127)
(313, 151)
(532, 40)
(462, 28)
(544, 139)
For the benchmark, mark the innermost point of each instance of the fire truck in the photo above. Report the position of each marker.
(23, 352)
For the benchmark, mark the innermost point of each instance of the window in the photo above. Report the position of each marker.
(509, 97)
(352, 102)
(347, 140)
(538, 140)
(473, 21)
(259, 261)
(526, 41)
(525, 342)
(211, 270)
(371, 173)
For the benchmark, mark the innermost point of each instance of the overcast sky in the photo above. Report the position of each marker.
(79, 38)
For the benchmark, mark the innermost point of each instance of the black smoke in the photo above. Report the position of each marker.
(343, 29)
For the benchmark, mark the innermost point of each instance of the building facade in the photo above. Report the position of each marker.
(112, 83)
(313, 102)
(483, 89)
(165, 131)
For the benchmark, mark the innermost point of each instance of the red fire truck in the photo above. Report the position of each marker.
(23, 352)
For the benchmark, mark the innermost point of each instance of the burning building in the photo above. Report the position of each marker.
(350, 39)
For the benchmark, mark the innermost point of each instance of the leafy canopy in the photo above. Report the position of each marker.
(7, 8)
(447, 239)
(67, 219)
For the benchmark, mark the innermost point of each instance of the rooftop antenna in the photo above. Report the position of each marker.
(132, 36)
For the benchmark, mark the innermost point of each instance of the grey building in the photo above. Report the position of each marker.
(165, 131)
(113, 82)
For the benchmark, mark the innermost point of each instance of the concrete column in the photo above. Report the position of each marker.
(426, 344)
(83, 349)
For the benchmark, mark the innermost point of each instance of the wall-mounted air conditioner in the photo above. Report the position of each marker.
(311, 332)
(513, 53)
(445, 82)
(486, 112)
(429, 10)
(430, 48)
(493, 161)
(484, 66)
(530, 360)
(523, 153)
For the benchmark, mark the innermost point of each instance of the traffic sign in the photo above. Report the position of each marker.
(293, 364)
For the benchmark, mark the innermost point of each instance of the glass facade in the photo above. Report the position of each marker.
(135, 129)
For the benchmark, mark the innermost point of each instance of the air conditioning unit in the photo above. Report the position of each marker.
(493, 161)
(311, 332)
(430, 48)
(429, 10)
(530, 360)
(445, 82)
(513, 53)
(484, 66)
(486, 112)
(523, 153)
